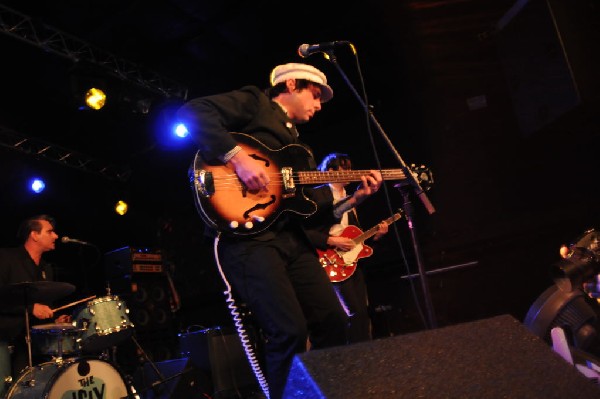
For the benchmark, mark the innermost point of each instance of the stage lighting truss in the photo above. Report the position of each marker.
(52, 40)
(18, 142)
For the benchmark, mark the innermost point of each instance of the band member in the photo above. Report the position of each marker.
(324, 230)
(25, 263)
(276, 272)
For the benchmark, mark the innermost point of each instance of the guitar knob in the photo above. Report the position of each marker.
(234, 224)
(259, 219)
(248, 225)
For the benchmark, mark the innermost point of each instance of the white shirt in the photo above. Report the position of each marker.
(338, 228)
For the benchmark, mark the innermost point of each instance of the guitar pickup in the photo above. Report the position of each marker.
(204, 183)
(289, 187)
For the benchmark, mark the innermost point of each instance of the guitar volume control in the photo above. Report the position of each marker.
(234, 224)
(248, 225)
(259, 219)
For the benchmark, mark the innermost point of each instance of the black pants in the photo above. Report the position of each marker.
(353, 294)
(289, 294)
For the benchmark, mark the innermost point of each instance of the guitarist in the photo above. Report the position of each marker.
(324, 230)
(276, 272)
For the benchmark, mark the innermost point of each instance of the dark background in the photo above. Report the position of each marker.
(499, 102)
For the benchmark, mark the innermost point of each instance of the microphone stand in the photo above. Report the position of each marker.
(410, 182)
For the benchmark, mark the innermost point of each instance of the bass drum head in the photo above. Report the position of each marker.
(88, 378)
(73, 378)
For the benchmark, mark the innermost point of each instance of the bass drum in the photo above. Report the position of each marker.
(73, 378)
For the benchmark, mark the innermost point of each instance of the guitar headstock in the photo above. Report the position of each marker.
(423, 175)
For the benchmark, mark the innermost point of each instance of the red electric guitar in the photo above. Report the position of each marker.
(340, 265)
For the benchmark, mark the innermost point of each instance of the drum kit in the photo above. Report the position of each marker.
(98, 325)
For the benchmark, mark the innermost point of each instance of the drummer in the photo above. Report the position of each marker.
(24, 264)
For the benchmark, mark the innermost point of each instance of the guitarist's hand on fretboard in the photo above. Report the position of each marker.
(370, 185)
(383, 229)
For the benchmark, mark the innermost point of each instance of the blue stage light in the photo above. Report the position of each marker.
(180, 130)
(37, 185)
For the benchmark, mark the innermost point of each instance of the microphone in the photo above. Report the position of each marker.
(67, 240)
(306, 50)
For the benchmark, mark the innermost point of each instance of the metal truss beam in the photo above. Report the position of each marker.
(40, 149)
(49, 39)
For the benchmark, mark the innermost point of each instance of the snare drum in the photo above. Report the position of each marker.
(104, 322)
(54, 339)
(73, 378)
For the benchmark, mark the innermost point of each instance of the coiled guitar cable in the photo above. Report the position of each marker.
(239, 326)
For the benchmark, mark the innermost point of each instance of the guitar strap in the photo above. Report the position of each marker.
(353, 218)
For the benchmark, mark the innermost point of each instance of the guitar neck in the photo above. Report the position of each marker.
(340, 176)
(373, 230)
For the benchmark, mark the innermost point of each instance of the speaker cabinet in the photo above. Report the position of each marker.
(138, 277)
(220, 354)
(491, 358)
(176, 378)
(549, 50)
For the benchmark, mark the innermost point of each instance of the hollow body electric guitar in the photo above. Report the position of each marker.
(225, 203)
(340, 265)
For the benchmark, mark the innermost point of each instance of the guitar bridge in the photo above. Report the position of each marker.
(204, 183)
(289, 186)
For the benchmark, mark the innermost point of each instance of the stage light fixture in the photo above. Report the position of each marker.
(37, 185)
(569, 310)
(95, 98)
(121, 207)
(579, 263)
(181, 130)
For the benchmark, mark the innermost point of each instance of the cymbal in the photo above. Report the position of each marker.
(30, 292)
(52, 327)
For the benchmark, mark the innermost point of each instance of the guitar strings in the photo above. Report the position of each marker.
(306, 177)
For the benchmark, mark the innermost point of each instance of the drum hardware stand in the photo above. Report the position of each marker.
(410, 180)
(157, 384)
(27, 333)
(59, 351)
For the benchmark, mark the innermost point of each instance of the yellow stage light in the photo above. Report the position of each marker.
(121, 207)
(95, 98)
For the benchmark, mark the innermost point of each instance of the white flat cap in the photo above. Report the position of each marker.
(302, 71)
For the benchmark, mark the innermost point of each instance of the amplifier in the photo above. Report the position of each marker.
(127, 260)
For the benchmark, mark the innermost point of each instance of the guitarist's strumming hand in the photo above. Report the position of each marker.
(249, 171)
(341, 243)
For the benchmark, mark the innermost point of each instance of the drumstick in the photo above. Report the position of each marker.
(74, 303)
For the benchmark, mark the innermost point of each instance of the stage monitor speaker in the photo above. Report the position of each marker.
(491, 358)
(181, 380)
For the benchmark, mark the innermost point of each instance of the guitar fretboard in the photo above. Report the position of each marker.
(339, 176)
(373, 230)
